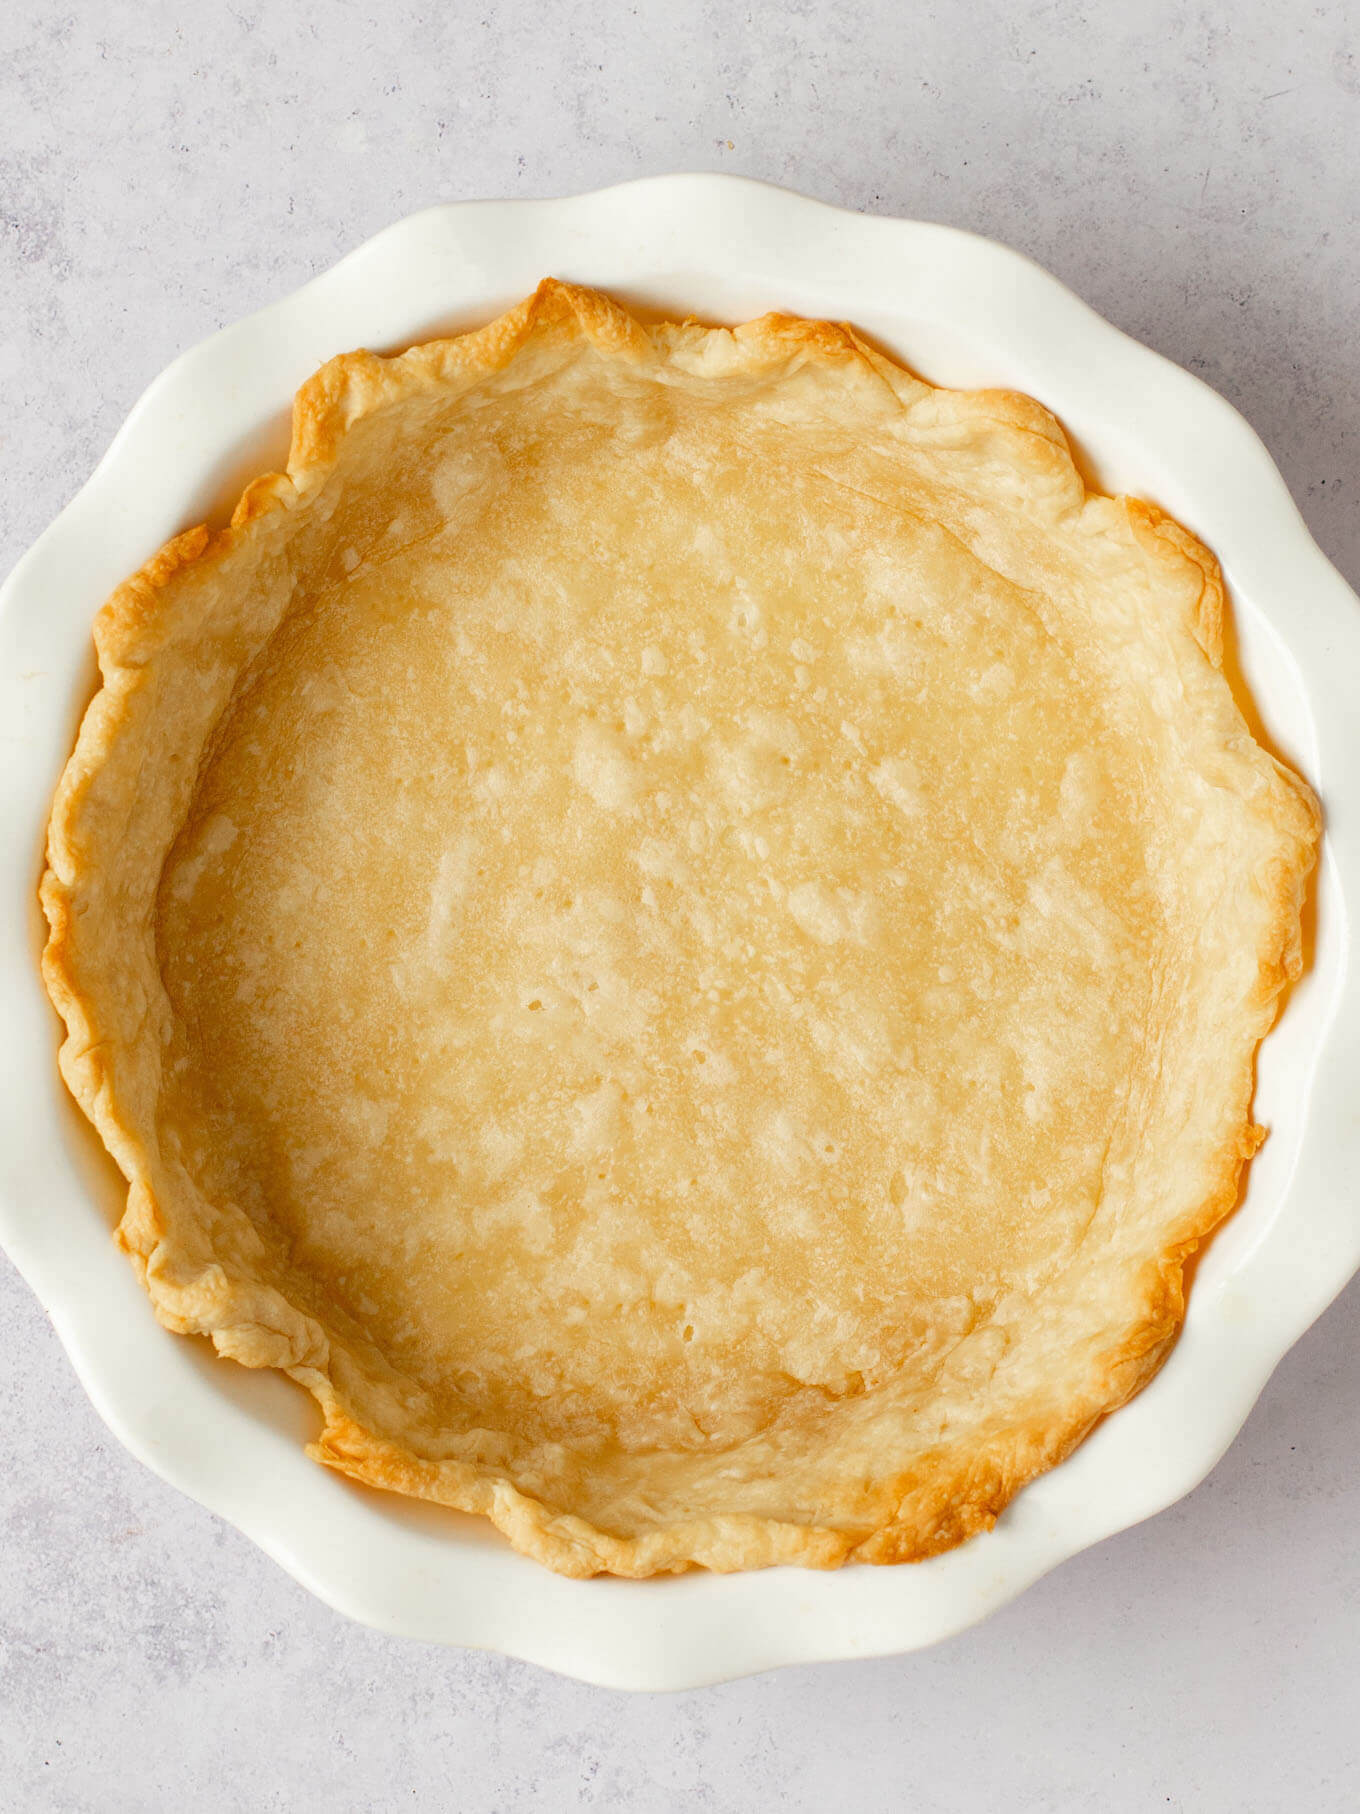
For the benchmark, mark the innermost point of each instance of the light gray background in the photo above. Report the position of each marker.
(1195, 174)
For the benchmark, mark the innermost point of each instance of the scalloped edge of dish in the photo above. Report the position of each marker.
(438, 1580)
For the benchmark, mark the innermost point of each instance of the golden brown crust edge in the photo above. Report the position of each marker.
(946, 1498)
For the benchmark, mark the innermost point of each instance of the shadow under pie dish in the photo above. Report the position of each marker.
(676, 924)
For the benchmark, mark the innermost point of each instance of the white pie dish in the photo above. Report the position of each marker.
(961, 311)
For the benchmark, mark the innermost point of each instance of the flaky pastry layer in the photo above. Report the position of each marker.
(675, 923)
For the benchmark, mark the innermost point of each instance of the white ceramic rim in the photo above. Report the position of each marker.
(961, 310)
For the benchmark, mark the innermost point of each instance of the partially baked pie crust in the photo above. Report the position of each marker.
(675, 923)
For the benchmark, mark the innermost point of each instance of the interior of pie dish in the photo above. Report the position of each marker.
(676, 924)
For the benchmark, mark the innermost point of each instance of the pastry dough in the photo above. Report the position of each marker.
(675, 922)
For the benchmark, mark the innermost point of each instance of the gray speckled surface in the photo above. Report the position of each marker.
(1191, 172)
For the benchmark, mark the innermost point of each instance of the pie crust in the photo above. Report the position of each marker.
(675, 923)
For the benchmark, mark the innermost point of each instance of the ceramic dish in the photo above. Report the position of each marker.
(962, 312)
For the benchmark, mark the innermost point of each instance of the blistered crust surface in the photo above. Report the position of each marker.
(676, 923)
